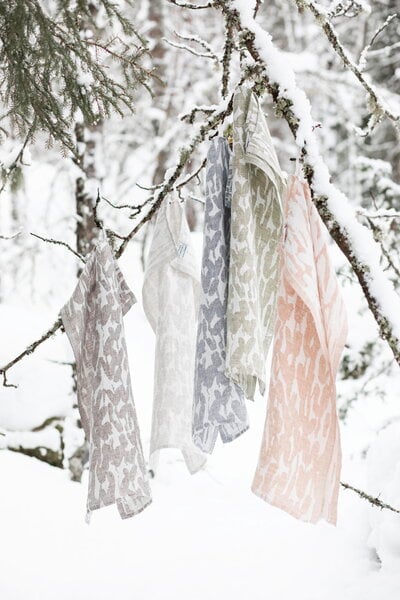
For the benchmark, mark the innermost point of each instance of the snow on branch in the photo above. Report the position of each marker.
(190, 5)
(354, 239)
(191, 50)
(376, 104)
(197, 40)
(363, 57)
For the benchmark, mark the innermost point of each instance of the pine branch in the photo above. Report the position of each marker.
(50, 70)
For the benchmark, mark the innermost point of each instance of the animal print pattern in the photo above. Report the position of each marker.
(219, 405)
(256, 229)
(300, 459)
(171, 302)
(93, 321)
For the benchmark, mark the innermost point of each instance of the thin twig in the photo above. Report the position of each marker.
(190, 116)
(190, 5)
(197, 40)
(377, 232)
(31, 348)
(362, 61)
(369, 498)
(191, 50)
(192, 175)
(379, 107)
(18, 159)
(59, 243)
(10, 237)
(149, 188)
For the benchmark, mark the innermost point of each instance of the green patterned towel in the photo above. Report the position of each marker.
(256, 230)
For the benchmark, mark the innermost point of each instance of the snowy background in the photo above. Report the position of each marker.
(204, 536)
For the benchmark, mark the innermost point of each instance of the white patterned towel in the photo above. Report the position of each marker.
(170, 301)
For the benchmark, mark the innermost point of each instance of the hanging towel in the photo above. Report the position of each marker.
(257, 187)
(170, 301)
(300, 458)
(219, 405)
(93, 321)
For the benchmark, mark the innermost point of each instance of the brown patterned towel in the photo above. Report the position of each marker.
(93, 321)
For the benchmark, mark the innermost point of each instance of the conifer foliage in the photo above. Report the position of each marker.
(55, 60)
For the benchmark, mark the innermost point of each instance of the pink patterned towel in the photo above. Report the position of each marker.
(300, 458)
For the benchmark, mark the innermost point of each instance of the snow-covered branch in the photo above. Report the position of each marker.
(376, 103)
(363, 57)
(355, 240)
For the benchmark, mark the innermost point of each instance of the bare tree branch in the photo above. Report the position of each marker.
(371, 499)
(191, 50)
(10, 237)
(200, 41)
(191, 176)
(59, 243)
(190, 5)
(31, 348)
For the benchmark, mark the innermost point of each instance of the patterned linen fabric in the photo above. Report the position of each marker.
(93, 321)
(170, 301)
(256, 229)
(219, 405)
(300, 458)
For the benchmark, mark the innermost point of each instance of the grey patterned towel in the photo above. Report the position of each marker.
(170, 301)
(219, 405)
(256, 230)
(93, 321)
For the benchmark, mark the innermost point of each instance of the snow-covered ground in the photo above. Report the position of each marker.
(205, 536)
